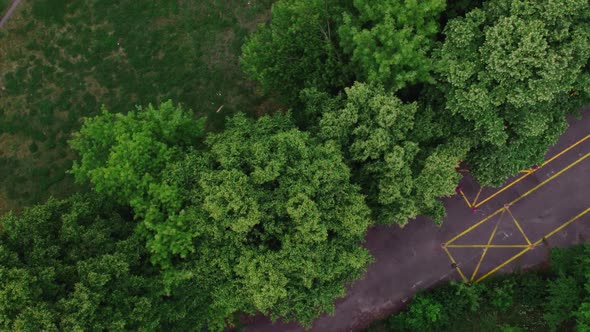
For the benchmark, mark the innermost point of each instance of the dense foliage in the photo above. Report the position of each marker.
(263, 217)
(390, 41)
(187, 228)
(553, 299)
(402, 177)
(122, 155)
(298, 49)
(508, 71)
(76, 265)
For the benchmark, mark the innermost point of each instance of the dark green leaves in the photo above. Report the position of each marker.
(509, 69)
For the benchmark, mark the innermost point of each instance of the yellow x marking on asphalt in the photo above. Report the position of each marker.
(505, 210)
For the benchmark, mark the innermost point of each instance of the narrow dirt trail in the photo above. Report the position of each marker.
(9, 12)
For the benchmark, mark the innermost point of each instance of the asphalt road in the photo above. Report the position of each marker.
(9, 12)
(410, 259)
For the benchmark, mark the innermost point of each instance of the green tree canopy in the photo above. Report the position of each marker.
(122, 155)
(298, 49)
(390, 41)
(401, 177)
(268, 216)
(262, 219)
(76, 265)
(508, 71)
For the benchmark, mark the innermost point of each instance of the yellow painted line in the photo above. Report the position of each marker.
(488, 246)
(562, 226)
(503, 189)
(519, 198)
(473, 226)
(456, 265)
(579, 160)
(566, 150)
(464, 197)
(485, 250)
(508, 261)
(519, 228)
(536, 243)
(477, 196)
(529, 172)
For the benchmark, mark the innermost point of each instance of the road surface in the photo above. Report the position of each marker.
(413, 258)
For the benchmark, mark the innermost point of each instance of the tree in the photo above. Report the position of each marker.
(562, 300)
(424, 314)
(263, 219)
(298, 49)
(583, 312)
(390, 41)
(508, 71)
(401, 177)
(76, 264)
(123, 155)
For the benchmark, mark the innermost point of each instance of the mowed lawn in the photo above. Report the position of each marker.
(61, 60)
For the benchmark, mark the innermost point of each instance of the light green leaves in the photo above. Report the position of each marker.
(390, 41)
(402, 179)
(123, 155)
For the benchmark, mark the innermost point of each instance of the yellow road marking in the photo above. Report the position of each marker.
(488, 246)
(519, 228)
(473, 226)
(485, 250)
(562, 226)
(477, 196)
(519, 198)
(530, 245)
(503, 189)
(536, 243)
(566, 150)
(529, 172)
(502, 265)
(456, 265)
(464, 197)
(579, 160)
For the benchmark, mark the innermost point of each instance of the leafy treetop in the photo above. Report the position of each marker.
(508, 70)
(401, 177)
(390, 41)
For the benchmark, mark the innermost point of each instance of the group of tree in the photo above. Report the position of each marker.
(186, 229)
(553, 299)
(501, 77)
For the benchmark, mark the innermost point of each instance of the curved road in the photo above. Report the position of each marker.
(410, 259)
(9, 12)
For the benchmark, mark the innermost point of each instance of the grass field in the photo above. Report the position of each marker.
(60, 60)
(3, 6)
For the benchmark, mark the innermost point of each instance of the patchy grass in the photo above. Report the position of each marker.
(3, 6)
(61, 60)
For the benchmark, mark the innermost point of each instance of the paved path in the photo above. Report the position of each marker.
(412, 258)
(9, 12)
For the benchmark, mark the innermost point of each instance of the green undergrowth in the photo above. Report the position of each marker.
(554, 298)
(61, 60)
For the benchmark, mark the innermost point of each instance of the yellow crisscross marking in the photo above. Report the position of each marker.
(529, 245)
